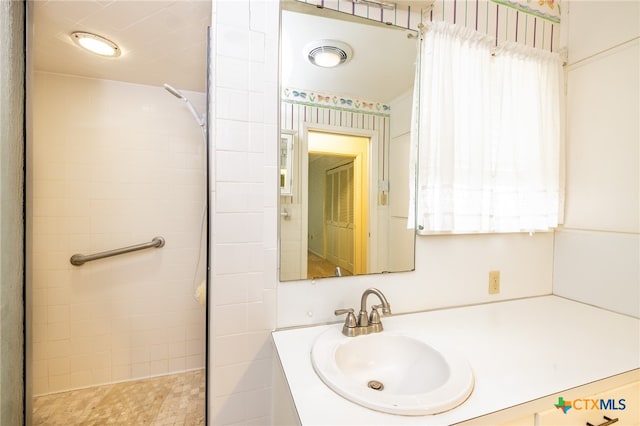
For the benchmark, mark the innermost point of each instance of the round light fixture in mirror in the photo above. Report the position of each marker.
(328, 53)
(96, 44)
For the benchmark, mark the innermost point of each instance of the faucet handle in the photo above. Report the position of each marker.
(386, 310)
(374, 316)
(350, 322)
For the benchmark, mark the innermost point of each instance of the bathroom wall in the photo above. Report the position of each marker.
(597, 253)
(244, 222)
(114, 164)
(450, 271)
(12, 259)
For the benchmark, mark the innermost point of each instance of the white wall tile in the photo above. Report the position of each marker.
(58, 366)
(236, 13)
(257, 50)
(108, 180)
(232, 135)
(599, 268)
(230, 319)
(80, 379)
(234, 408)
(230, 289)
(256, 107)
(231, 166)
(230, 259)
(177, 364)
(257, 77)
(233, 73)
(58, 348)
(242, 377)
(232, 42)
(230, 349)
(232, 104)
(256, 133)
(231, 197)
(239, 238)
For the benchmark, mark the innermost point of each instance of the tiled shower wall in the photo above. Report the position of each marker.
(115, 164)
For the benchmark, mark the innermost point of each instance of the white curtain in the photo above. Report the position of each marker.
(487, 136)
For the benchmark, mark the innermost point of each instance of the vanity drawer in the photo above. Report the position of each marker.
(622, 403)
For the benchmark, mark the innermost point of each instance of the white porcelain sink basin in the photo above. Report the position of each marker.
(391, 373)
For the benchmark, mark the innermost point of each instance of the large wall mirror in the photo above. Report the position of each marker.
(344, 146)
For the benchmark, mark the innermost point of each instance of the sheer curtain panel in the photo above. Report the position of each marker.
(486, 152)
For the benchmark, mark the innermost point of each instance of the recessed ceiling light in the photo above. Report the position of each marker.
(96, 44)
(328, 53)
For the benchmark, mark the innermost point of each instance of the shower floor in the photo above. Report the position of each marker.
(177, 399)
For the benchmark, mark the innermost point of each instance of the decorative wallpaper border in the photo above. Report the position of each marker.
(545, 9)
(337, 102)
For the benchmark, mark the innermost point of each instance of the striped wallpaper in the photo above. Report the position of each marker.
(501, 21)
(295, 114)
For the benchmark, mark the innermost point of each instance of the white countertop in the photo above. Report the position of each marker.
(519, 351)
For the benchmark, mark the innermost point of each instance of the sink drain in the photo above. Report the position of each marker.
(375, 385)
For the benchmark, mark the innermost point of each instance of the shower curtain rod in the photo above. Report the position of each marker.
(80, 259)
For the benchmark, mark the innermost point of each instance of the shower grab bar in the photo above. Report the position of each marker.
(80, 259)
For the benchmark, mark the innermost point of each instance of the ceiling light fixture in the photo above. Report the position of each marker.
(96, 44)
(328, 53)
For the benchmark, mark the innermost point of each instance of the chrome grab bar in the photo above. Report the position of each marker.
(79, 259)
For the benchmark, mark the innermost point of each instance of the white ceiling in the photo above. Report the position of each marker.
(164, 41)
(382, 67)
(161, 41)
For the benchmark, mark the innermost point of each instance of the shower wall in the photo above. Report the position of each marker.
(115, 164)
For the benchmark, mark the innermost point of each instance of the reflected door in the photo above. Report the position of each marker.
(339, 224)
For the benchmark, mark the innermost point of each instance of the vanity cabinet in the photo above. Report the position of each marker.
(517, 384)
(622, 401)
(627, 397)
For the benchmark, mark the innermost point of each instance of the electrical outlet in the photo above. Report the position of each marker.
(494, 282)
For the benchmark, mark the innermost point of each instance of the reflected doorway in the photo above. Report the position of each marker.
(337, 200)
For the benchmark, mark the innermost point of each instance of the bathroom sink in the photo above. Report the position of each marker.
(392, 373)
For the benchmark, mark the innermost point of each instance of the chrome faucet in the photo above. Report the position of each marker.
(365, 323)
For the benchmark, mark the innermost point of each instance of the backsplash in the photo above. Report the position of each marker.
(597, 252)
